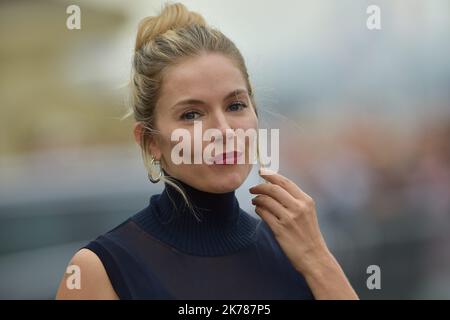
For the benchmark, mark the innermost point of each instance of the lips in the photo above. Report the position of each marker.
(227, 158)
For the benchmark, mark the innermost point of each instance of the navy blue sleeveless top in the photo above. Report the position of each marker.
(219, 251)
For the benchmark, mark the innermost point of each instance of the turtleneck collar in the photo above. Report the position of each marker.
(217, 227)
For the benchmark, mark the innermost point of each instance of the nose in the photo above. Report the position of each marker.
(222, 123)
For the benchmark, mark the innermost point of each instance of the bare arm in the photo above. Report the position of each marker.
(327, 280)
(95, 284)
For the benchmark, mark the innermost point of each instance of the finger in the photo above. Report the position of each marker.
(276, 192)
(268, 217)
(271, 204)
(286, 183)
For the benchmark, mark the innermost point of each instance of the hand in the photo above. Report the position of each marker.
(291, 215)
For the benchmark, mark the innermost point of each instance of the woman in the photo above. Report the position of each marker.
(193, 241)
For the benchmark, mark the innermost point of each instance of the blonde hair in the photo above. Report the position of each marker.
(163, 41)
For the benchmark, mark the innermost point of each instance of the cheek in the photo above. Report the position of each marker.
(247, 121)
(186, 142)
(251, 121)
(248, 137)
(166, 143)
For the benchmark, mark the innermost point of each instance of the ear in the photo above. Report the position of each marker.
(154, 147)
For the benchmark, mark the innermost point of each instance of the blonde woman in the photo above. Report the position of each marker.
(193, 241)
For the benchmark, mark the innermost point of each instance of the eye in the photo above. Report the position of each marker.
(236, 106)
(190, 115)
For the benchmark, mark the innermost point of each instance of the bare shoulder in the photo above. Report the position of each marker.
(85, 278)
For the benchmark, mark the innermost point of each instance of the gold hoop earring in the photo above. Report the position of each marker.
(150, 177)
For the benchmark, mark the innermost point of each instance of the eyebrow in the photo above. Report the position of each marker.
(196, 101)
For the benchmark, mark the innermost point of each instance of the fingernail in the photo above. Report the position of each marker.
(265, 171)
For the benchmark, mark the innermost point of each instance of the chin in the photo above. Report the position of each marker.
(227, 180)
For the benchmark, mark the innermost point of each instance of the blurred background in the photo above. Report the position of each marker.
(363, 115)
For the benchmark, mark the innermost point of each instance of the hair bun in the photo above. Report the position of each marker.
(172, 17)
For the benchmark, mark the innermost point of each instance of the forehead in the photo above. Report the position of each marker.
(205, 76)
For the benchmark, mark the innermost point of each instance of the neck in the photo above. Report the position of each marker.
(213, 225)
(206, 210)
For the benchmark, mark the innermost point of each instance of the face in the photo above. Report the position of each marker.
(212, 90)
